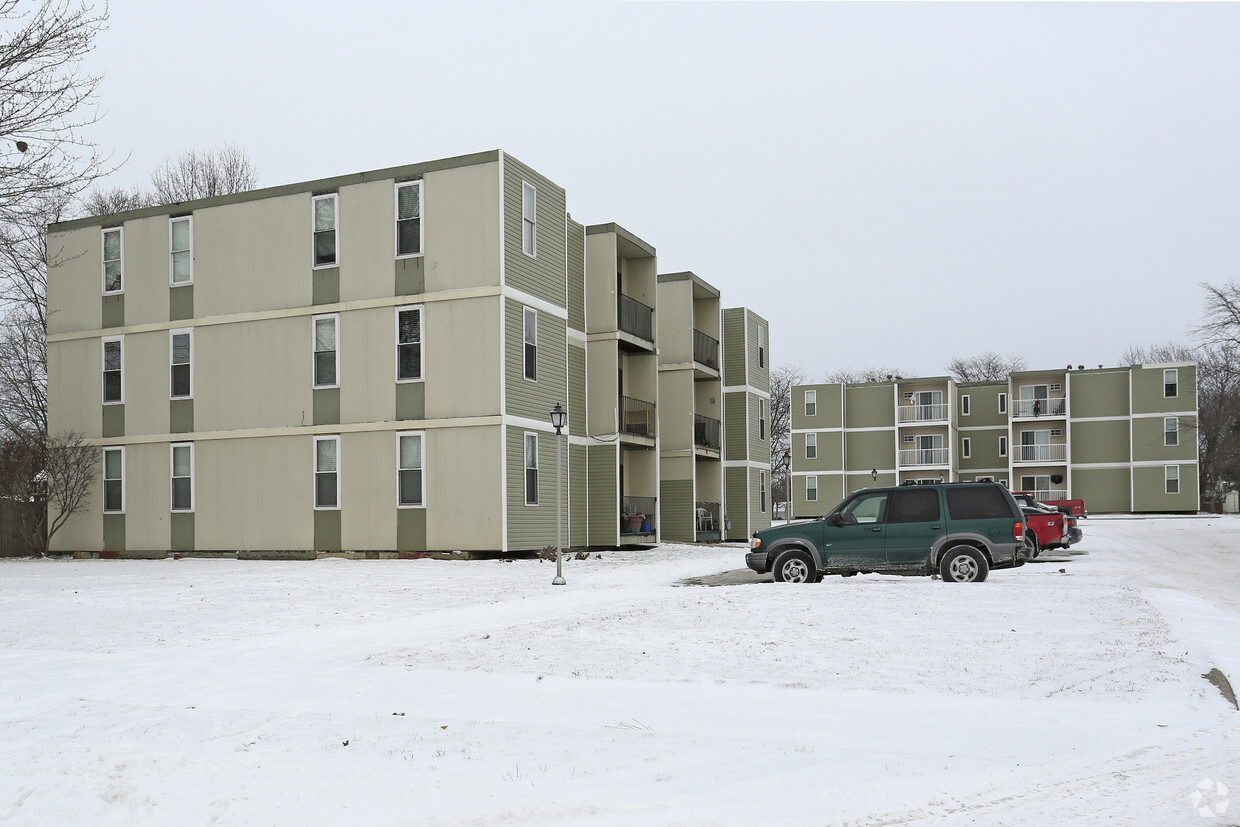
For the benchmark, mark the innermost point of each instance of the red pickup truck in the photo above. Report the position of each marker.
(1038, 515)
(1074, 507)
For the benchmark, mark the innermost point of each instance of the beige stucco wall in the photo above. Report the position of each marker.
(146, 273)
(367, 239)
(461, 227)
(601, 267)
(675, 321)
(148, 497)
(254, 493)
(254, 374)
(367, 341)
(462, 357)
(463, 509)
(368, 490)
(75, 386)
(75, 283)
(147, 379)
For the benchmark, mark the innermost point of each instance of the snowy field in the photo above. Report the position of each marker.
(193, 692)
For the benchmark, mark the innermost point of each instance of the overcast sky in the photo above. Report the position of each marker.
(889, 184)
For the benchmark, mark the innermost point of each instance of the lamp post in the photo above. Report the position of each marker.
(559, 419)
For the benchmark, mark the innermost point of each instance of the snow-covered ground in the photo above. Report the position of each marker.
(189, 692)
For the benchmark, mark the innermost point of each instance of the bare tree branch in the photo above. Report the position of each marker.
(1221, 320)
(193, 174)
(72, 466)
(850, 376)
(985, 367)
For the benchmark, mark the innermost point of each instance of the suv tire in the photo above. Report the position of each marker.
(795, 566)
(1035, 548)
(963, 564)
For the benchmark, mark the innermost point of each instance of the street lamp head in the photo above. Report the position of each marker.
(559, 417)
(874, 475)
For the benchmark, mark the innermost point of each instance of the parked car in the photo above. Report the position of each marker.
(959, 530)
(1072, 532)
(1075, 508)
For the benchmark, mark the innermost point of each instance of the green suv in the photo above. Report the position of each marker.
(960, 530)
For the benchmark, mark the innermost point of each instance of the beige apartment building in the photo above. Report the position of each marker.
(364, 363)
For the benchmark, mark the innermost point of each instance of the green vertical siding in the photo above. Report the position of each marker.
(544, 274)
(1098, 393)
(576, 266)
(759, 374)
(867, 450)
(534, 399)
(828, 415)
(676, 511)
(983, 450)
(735, 426)
(830, 492)
(1104, 490)
(759, 447)
(734, 358)
(1148, 438)
(1150, 492)
(578, 493)
(830, 452)
(576, 389)
(736, 496)
(532, 527)
(869, 406)
(1098, 442)
(1147, 389)
(759, 518)
(983, 405)
(604, 495)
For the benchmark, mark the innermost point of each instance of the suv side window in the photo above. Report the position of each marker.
(914, 505)
(866, 508)
(977, 503)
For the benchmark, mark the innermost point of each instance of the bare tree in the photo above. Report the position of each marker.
(1221, 321)
(115, 199)
(783, 378)
(23, 377)
(851, 376)
(47, 99)
(985, 367)
(1158, 354)
(193, 174)
(71, 470)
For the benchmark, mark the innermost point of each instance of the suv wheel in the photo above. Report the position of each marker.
(795, 566)
(963, 564)
(1031, 540)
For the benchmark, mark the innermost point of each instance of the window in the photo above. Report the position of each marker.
(761, 419)
(914, 505)
(761, 346)
(1003, 403)
(529, 220)
(811, 403)
(530, 333)
(531, 469)
(182, 345)
(408, 344)
(182, 476)
(114, 480)
(409, 219)
(865, 508)
(1171, 383)
(811, 446)
(1171, 430)
(811, 489)
(964, 405)
(325, 230)
(409, 473)
(1172, 478)
(977, 503)
(113, 362)
(327, 472)
(1040, 484)
(180, 239)
(326, 355)
(966, 447)
(113, 253)
(1003, 446)
(762, 491)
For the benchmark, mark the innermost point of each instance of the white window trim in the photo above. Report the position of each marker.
(809, 488)
(964, 405)
(178, 332)
(1168, 477)
(422, 436)
(314, 468)
(1176, 372)
(103, 262)
(188, 219)
(811, 441)
(529, 189)
(104, 471)
(762, 423)
(396, 221)
(103, 364)
(314, 352)
(171, 477)
(525, 484)
(421, 377)
(1003, 403)
(762, 346)
(1175, 430)
(525, 374)
(762, 492)
(811, 398)
(1003, 446)
(966, 448)
(314, 202)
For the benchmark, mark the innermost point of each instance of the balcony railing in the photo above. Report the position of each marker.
(924, 456)
(636, 416)
(1042, 453)
(637, 515)
(636, 318)
(923, 413)
(1040, 407)
(1042, 495)
(705, 350)
(706, 432)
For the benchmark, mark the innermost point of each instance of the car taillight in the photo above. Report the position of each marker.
(1018, 531)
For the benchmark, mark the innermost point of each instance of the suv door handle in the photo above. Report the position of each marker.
(876, 530)
(936, 527)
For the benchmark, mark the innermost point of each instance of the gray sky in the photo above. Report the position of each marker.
(890, 184)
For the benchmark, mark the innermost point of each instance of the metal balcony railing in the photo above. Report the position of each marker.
(637, 515)
(1042, 495)
(923, 413)
(705, 350)
(636, 318)
(1042, 453)
(706, 432)
(636, 417)
(924, 456)
(1040, 407)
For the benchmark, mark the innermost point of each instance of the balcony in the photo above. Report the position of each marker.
(637, 516)
(637, 417)
(706, 432)
(705, 350)
(1026, 408)
(1042, 453)
(1042, 495)
(707, 525)
(923, 413)
(635, 318)
(912, 457)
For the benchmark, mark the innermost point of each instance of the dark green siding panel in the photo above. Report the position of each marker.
(544, 274)
(867, 450)
(736, 507)
(411, 529)
(830, 492)
(410, 400)
(410, 276)
(181, 416)
(1104, 490)
(578, 496)
(983, 405)
(1148, 395)
(182, 532)
(828, 410)
(326, 285)
(1150, 488)
(983, 450)
(114, 311)
(676, 511)
(327, 531)
(870, 406)
(1100, 393)
(735, 426)
(759, 447)
(830, 454)
(759, 374)
(576, 389)
(576, 276)
(113, 532)
(1098, 442)
(113, 420)
(327, 406)
(532, 527)
(759, 512)
(734, 359)
(181, 302)
(534, 399)
(604, 495)
(1148, 438)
